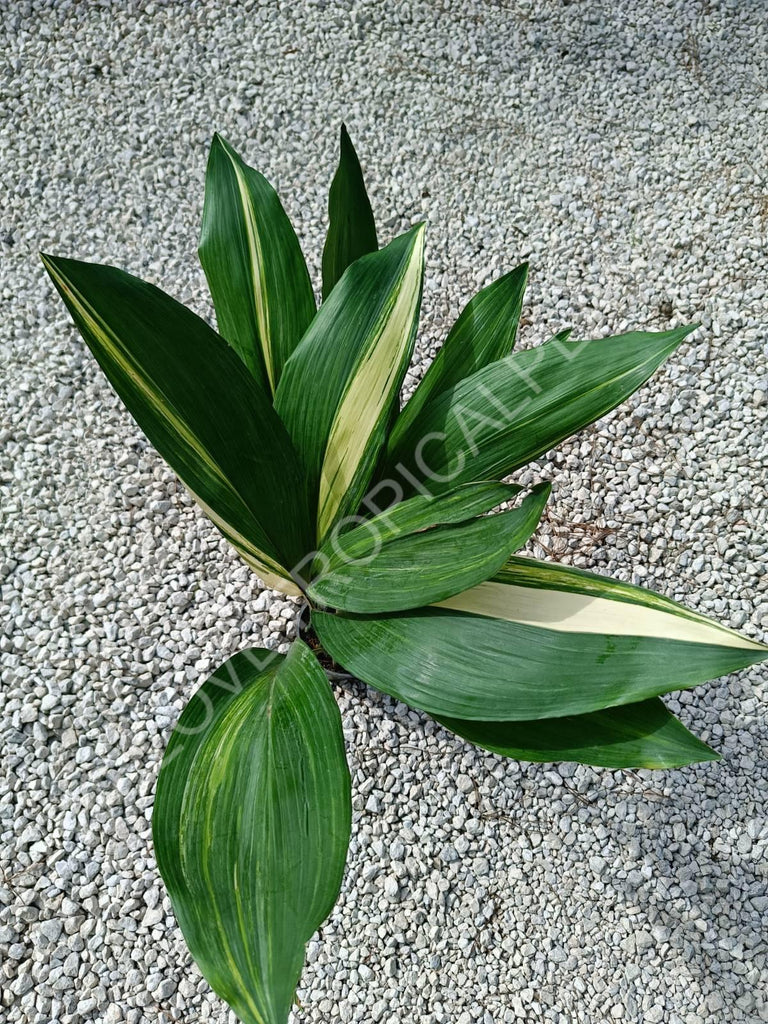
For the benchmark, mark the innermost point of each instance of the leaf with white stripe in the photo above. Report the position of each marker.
(485, 332)
(644, 735)
(534, 643)
(375, 569)
(539, 593)
(351, 227)
(511, 411)
(251, 824)
(341, 384)
(201, 409)
(254, 265)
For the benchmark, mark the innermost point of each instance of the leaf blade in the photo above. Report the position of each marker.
(365, 571)
(200, 408)
(427, 510)
(539, 657)
(251, 824)
(351, 229)
(351, 362)
(484, 333)
(254, 265)
(516, 409)
(644, 735)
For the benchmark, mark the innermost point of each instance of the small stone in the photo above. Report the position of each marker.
(391, 888)
(165, 989)
(50, 930)
(153, 916)
(465, 784)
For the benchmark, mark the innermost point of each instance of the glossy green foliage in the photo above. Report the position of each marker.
(255, 269)
(251, 824)
(351, 227)
(362, 572)
(475, 666)
(484, 333)
(511, 411)
(634, 734)
(287, 429)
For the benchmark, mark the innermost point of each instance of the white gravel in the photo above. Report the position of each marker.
(620, 146)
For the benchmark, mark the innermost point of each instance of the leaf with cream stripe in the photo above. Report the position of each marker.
(374, 568)
(558, 597)
(201, 409)
(512, 650)
(341, 384)
(254, 265)
(251, 824)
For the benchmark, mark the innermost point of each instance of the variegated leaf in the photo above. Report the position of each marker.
(251, 824)
(252, 258)
(342, 382)
(196, 402)
(537, 641)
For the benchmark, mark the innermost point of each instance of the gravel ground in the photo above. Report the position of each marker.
(621, 147)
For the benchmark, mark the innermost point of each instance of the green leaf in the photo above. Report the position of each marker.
(519, 407)
(252, 258)
(201, 409)
(537, 641)
(251, 824)
(351, 228)
(375, 569)
(484, 333)
(563, 335)
(426, 510)
(342, 382)
(644, 735)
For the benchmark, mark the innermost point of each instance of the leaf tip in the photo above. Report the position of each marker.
(679, 334)
(419, 230)
(52, 264)
(220, 145)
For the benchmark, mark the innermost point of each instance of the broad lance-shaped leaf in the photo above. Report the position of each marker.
(367, 571)
(519, 407)
(537, 641)
(255, 268)
(426, 510)
(644, 735)
(485, 332)
(342, 382)
(251, 824)
(351, 227)
(201, 409)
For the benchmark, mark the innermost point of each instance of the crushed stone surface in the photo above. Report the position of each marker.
(621, 148)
